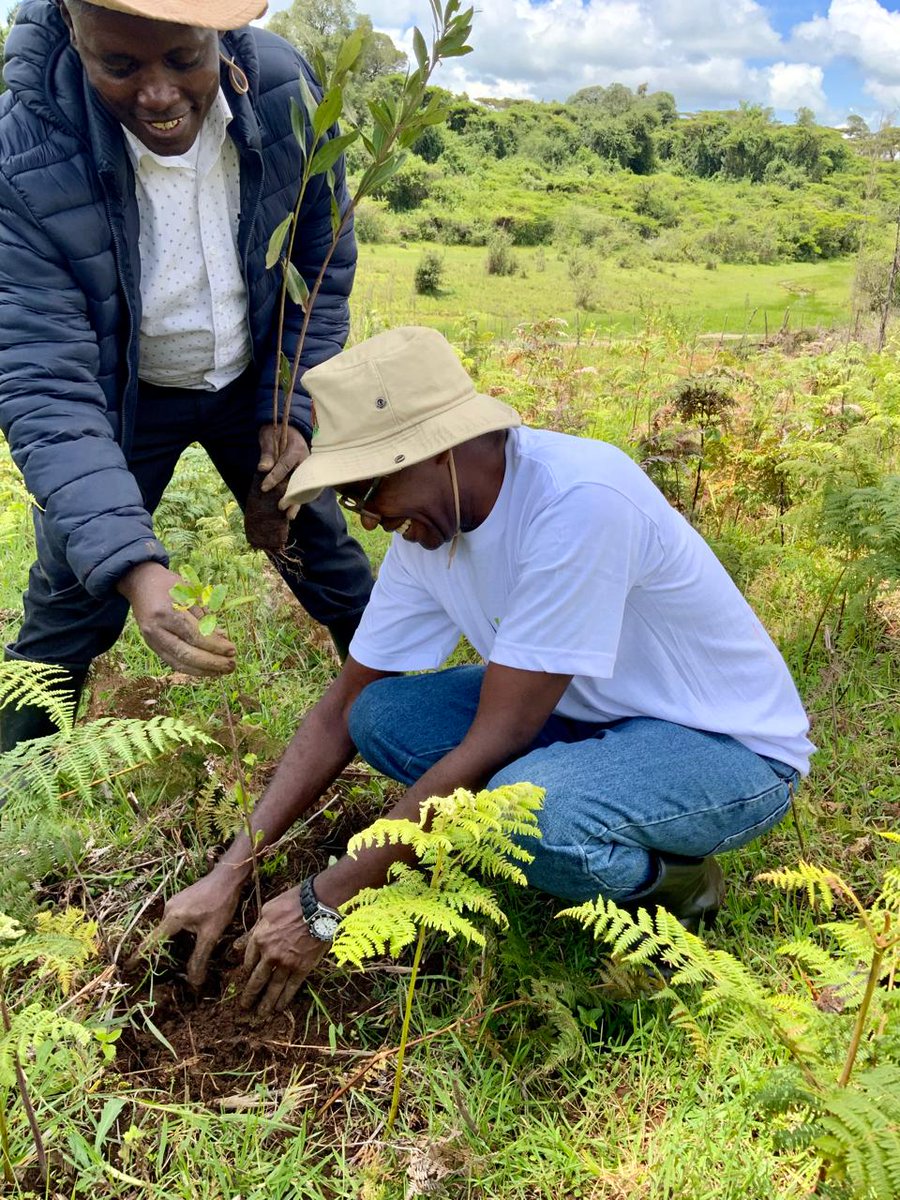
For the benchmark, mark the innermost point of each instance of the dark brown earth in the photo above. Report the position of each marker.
(206, 1048)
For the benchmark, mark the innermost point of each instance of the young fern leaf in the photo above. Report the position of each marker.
(37, 684)
(466, 830)
(36, 775)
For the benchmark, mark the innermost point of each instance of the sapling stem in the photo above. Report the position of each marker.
(24, 1095)
(242, 785)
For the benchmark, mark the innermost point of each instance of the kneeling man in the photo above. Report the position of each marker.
(623, 671)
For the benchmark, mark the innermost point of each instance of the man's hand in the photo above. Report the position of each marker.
(174, 635)
(281, 952)
(277, 467)
(206, 908)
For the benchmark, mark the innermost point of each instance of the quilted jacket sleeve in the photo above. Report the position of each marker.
(329, 323)
(91, 515)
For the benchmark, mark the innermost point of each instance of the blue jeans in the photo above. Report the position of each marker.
(616, 794)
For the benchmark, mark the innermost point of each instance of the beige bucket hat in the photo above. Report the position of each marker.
(393, 400)
(201, 14)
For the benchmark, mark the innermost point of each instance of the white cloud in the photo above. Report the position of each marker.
(864, 32)
(709, 56)
(550, 50)
(796, 85)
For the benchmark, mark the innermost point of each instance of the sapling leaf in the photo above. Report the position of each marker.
(297, 290)
(298, 125)
(350, 50)
(378, 175)
(319, 66)
(381, 116)
(419, 48)
(336, 217)
(276, 241)
(309, 100)
(207, 624)
(327, 113)
(217, 597)
(183, 594)
(329, 152)
(284, 372)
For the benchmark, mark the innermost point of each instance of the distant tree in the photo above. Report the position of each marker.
(322, 25)
(855, 127)
(588, 95)
(617, 99)
(805, 117)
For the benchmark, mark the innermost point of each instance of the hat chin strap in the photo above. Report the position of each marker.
(454, 541)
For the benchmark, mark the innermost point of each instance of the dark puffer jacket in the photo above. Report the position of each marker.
(70, 306)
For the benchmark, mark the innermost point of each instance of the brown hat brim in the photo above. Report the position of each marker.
(333, 466)
(221, 15)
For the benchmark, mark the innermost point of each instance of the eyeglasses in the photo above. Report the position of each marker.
(357, 504)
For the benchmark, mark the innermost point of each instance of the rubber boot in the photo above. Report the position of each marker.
(30, 721)
(691, 889)
(342, 631)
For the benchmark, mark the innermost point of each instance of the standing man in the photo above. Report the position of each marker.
(624, 672)
(145, 158)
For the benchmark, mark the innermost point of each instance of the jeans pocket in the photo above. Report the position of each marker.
(752, 818)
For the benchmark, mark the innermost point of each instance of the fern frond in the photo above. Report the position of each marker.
(37, 684)
(33, 1027)
(62, 943)
(820, 884)
(35, 774)
(386, 832)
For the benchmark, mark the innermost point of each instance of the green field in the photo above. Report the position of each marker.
(735, 299)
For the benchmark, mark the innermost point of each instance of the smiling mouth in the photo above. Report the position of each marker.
(165, 126)
(401, 529)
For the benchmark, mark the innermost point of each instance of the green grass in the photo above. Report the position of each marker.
(732, 299)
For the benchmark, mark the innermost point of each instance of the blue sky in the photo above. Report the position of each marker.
(835, 57)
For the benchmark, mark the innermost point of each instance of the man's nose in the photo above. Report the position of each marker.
(158, 93)
(369, 520)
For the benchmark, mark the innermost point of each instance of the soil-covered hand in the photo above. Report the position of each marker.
(281, 952)
(206, 909)
(174, 635)
(277, 467)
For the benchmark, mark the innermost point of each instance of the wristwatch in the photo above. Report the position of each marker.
(321, 921)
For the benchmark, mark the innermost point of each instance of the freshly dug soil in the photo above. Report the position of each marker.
(205, 1047)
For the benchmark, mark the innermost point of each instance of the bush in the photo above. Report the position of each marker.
(408, 187)
(578, 225)
(582, 269)
(371, 223)
(429, 273)
(500, 258)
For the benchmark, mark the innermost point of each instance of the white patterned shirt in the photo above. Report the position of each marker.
(194, 331)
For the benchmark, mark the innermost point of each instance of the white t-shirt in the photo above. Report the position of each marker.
(583, 568)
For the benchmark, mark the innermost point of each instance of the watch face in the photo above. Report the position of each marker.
(324, 927)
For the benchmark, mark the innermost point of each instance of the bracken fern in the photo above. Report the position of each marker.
(845, 1008)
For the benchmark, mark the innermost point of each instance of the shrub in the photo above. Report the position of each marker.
(370, 223)
(500, 258)
(408, 187)
(429, 273)
(582, 268)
